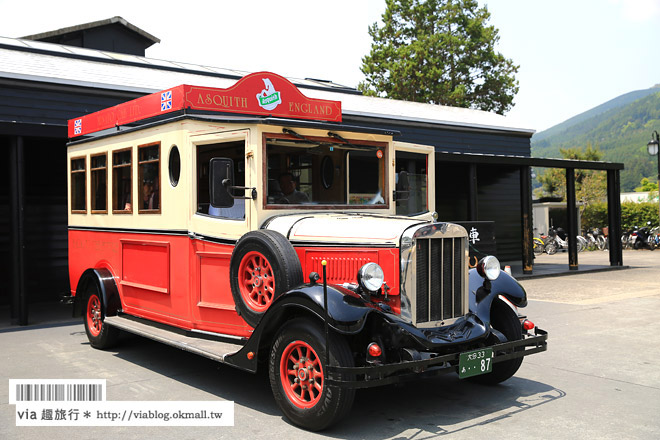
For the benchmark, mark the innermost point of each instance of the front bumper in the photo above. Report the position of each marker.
(377, 375)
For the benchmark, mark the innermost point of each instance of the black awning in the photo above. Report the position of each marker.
(497, 159)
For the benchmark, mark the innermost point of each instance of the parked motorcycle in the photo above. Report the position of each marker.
(595, 239)
(641, 237)
(626, 239)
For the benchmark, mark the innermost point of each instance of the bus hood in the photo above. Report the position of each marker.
(342, 229)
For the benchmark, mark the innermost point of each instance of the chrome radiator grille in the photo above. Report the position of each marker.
(439, 279)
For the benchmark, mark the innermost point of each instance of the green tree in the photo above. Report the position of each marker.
(646, 185)
(439, 52)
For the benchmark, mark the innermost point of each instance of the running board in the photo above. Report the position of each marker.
(215, 350)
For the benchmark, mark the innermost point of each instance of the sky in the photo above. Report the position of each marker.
(573, 55)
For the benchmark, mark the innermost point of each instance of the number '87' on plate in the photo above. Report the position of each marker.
(474, 363)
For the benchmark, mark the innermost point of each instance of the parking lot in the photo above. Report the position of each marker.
(600, 377)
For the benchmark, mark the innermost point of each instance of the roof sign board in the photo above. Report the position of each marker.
(261, 93)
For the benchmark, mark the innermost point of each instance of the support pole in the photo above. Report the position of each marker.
(657, 139)
(19, 309)
(614, 218)
(326, 318)
(527, 224)
(571, 216)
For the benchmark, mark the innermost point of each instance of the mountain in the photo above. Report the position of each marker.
(620, 128)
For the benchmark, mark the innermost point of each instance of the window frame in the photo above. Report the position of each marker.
(170, 171)
(426, 158)
(114, 188)
(222, 143)
(141, 178)
(84, 173)
(91, 182)
(383, 146)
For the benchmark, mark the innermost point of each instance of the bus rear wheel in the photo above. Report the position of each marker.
(99, 334)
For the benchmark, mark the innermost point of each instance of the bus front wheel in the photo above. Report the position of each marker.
(297, 376)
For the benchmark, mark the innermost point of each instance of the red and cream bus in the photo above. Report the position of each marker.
(250, 224)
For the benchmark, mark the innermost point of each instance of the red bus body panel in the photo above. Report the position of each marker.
(167, 278)
(182, 282)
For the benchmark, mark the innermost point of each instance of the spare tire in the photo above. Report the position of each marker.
(263, 266)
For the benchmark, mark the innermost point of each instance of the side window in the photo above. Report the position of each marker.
(233, 150)
(411, 183)
(99, 173)
(175, 166)
(122, 185)
(78, 186)
(149, 178)
(366, 172)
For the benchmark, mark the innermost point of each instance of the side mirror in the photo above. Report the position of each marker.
(221, 178)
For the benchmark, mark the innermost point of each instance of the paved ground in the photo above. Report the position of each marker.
(600, 377)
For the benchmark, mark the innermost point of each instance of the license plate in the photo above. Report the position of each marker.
(474, 363)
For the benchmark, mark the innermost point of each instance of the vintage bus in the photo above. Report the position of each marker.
(251, 226)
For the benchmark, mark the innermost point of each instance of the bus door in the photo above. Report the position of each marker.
(213, 234)
(414, 178)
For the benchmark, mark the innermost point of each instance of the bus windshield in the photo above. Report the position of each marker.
(307, 172)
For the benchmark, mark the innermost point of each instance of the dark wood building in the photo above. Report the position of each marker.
(483, 160)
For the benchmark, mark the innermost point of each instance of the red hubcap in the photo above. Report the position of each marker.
(301, 374)
(94, 321)
(256, 281)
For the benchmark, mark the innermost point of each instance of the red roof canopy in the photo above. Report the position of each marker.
(261, 93)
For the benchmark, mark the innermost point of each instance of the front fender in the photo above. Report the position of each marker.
(483, 292)
(347, 314)
(347, 311)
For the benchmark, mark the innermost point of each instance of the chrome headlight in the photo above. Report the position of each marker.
(371, 277)
(489, 267)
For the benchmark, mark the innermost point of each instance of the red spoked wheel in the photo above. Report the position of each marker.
(263, 266)
(297, 376)
(301, 374)
(256, 281)
(99, 334)
(93, 316)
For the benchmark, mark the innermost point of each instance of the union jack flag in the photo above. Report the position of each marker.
(166, 101)
(77, 126)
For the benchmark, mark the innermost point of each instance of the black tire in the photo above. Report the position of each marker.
(99, 334)
(539, 247)
(321, 406)
(551, 248)
(504, 319)
(263, 266)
